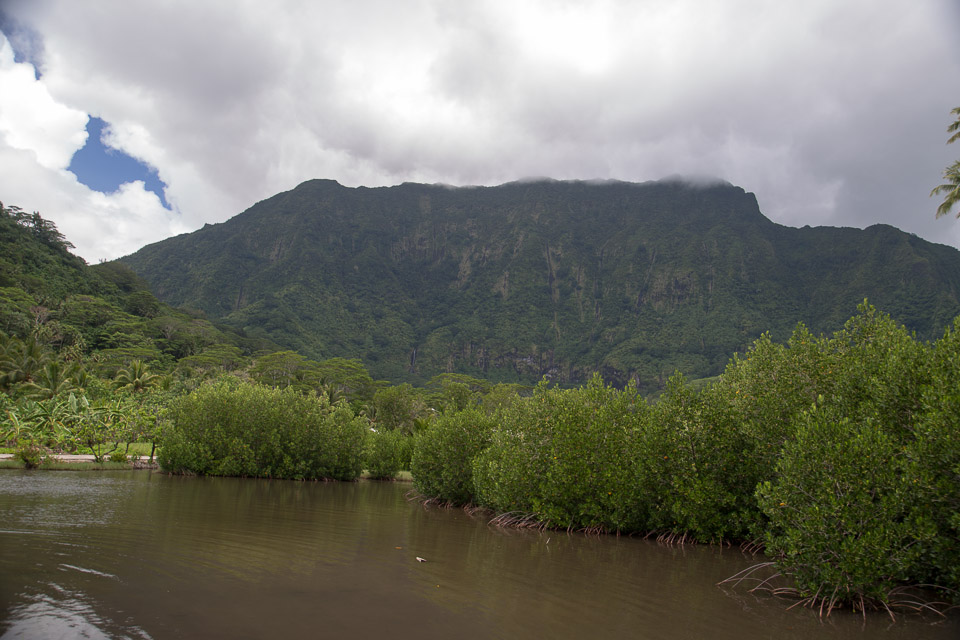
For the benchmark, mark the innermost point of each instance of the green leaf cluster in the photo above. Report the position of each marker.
(565, 455)
(386, 453)
(443, 453)
(252, 430)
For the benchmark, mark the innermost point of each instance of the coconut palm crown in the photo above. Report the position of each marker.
(951, 175)
(136, 377)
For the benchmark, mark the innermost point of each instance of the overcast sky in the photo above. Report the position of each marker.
(833, 112)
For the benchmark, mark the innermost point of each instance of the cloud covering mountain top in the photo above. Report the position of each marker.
(832, 113)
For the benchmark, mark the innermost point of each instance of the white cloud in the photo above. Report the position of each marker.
(38, 137)
(833, 113)
(30, 119)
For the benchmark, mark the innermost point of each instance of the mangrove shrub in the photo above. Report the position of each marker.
(386, 453)
(566, 457)
(252, 430)
(443, 453)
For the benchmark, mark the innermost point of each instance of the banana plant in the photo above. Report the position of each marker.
(101, 425)
(53, 421)
(15, 428)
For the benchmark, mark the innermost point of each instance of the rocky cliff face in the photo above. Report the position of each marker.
(541, 278)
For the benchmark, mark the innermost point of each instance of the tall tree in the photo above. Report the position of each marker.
(951, 174)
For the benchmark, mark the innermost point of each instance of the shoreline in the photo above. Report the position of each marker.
(85, 462)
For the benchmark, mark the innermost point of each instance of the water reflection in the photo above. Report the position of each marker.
(143, 555)
(63, 613)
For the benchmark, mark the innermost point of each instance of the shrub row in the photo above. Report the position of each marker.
(840, 455)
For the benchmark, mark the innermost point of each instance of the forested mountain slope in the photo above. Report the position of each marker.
(102, 315)
(541, 278)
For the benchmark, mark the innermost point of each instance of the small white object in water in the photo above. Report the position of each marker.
(419, 559)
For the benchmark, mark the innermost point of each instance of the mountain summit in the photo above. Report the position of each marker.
(534, 278)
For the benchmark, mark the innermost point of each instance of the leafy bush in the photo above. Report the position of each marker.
(251, 430)
(695, 474)
(443, 453)
(384, 453)
(704, 453)
(30, 453)
(855, 505)
(839, 514)
(934, 465)
(565, 456)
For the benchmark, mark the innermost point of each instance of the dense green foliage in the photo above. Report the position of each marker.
(933, 460)
(565, 455)
(36, 260)
(443, 454)
(533, 279)
(840, 455)
(252, 430)
(386, 453)
(89, 358)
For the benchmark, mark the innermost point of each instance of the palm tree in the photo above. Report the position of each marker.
(951, 174)
(135, 378)
(20, 360)
(54, 379)
(955, 127)
(951, 187)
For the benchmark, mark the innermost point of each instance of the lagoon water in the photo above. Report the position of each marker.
(140, 554)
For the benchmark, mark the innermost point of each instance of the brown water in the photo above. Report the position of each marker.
(144, 555)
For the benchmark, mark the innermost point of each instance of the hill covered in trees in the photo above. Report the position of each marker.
(102, 315)
(542, 278)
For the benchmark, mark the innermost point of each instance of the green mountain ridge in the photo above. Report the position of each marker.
(538, 278)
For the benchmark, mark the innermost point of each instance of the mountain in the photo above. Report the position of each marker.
(541, 278)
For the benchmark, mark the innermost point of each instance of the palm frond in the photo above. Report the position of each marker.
(954, 127)
(951, 188)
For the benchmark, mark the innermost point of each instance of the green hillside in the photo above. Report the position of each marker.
(541, 278)
(102, 315)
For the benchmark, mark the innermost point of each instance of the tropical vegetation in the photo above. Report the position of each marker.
(837, 454)
(840, 456)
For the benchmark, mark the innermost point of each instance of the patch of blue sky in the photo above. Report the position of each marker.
(104, 169)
